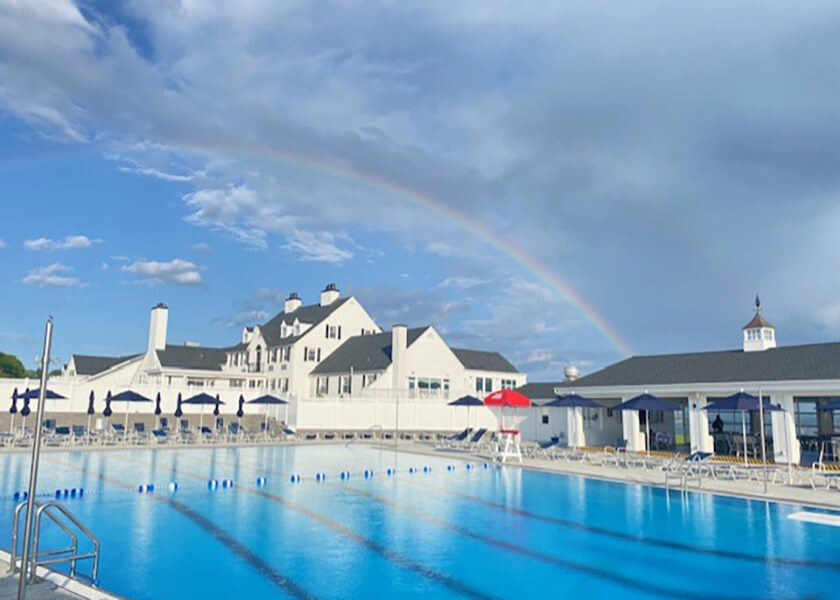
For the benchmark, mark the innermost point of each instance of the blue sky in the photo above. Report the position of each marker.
(662, 162)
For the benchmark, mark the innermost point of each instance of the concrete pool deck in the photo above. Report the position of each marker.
(48, 586)
(800, 494)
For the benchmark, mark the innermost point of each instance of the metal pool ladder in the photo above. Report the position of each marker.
(69, 524)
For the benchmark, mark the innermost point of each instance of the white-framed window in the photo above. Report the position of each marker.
(311, 354)
(322, 386)
(191, 382)
(297, 329)
(285, 386)
(508, 384)
(333, 332)
(345, 384)
(237, 383)
(368, 378)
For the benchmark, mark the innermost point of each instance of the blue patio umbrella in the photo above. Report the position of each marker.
(216, 408)
(13, 410)
(571, 402)
(833, 405)
(203, 399)
(129, 397)
(50, 395)
(25, 411)
(743, 402)
(648, 402)
(178, 412)
(267, 400)
(239, 414)
(469, 402)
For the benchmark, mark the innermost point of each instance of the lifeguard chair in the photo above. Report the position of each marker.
(508, 442)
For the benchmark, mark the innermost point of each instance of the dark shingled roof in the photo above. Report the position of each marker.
(484, 361)
(364, 353)
(193, 357)
(312, 314)
(91, 365)
(786, 363)
(540, 390)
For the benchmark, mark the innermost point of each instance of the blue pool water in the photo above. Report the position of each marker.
(480, 533)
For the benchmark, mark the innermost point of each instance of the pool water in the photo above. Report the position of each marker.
(484, 533)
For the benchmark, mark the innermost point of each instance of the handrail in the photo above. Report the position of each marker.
(69, 554)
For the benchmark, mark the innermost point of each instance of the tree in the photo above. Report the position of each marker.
(11, 367)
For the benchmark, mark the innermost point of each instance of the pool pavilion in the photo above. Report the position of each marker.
(801, 379)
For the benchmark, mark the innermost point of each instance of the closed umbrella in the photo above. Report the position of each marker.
(35, 394)
(648, 402)
(239, 414)
(469, 402)
(13, 410)
(158, 411)
(90, 412)
(178, 411)
(107, 412)
(572, 402)
(24, 412)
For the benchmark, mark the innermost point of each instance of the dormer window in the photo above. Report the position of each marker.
(297, 328)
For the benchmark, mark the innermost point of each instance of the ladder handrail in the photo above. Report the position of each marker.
(69, 554)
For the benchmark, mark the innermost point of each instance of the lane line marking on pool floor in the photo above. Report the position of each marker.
(815, 517)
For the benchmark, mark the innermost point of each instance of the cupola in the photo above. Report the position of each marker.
(758, 333)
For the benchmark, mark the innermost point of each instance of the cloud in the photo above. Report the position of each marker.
(317, 247)
(2, 243)
(176, 271)
(201, 247)
(241, 319)
(51, 276)
(68, 243)
(463, 283)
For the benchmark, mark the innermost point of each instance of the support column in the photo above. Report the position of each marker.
(631, 428)
(574, 427)
(785, 443)
(698, 424)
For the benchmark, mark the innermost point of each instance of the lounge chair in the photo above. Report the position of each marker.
(821, 469)
(474, 440)
(330, 435)
(616, 454)
(141, 436)
(455, 438)
(160, 436)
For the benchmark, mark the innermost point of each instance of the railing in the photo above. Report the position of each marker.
(69, 554)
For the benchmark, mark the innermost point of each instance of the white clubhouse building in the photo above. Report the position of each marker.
(330, 360)
(797, 378)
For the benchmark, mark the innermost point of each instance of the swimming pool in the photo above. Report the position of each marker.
(501, 532)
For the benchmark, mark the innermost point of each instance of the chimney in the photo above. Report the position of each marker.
(292, 303)
(247, 334)
(571, 372)
(329, 295)
(157, 327)
(399, 343)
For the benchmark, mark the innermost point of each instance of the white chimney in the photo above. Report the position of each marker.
(247, 334)
(399, 343)
(157, 327)
(329, 295)
(292, 303)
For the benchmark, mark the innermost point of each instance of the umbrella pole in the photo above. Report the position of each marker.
(265, 426)
(647, 424)
(744, 435)
(763, 447)
(201, 423)
(125, 427)
(87, 431)
(12, 424)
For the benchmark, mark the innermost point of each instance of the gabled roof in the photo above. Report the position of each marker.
(91, 365)
(193, 357)
(480, 360)
(364, 353)
(543, 390)
(785, 363)
(312, 314)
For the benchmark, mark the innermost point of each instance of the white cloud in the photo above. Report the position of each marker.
(463, 283)
(317, 247)
(2, 243)
(68, 243)
(201, 247)
(176, 271)
(51, 276)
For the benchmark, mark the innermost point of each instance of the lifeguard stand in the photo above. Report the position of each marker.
(508, 442)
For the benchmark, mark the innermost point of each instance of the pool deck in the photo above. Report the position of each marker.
(800, 494)
(49, 586)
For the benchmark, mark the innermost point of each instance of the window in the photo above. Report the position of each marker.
(322, 386)
(297, 328)
(479, 384)
(369, 378)
(488, 384)
(545, 419)
(274, 355)
(508, 384)
(334, 332)
(287, 353)
(768, 334)
(311, 354)
(285, 387)
(345, 384)
(195, 382)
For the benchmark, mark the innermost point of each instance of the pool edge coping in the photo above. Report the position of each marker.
(66, 583)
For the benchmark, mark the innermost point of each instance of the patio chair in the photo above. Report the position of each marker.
(616, 454)
(141, 436)
(455, 438)
(821, 469)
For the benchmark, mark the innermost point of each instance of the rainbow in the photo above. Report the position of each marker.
(518, 255)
